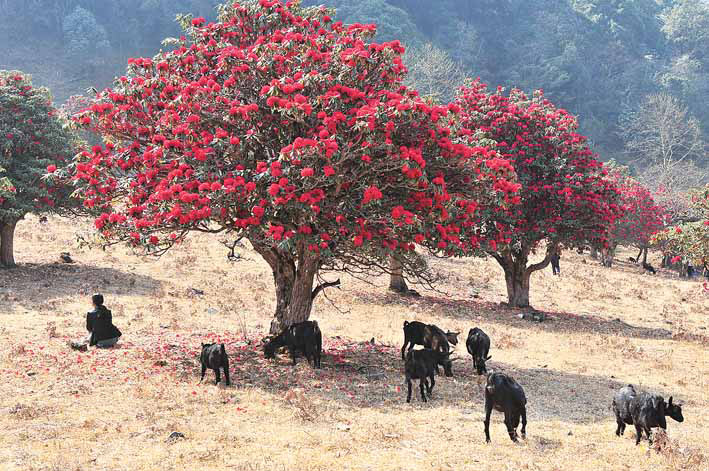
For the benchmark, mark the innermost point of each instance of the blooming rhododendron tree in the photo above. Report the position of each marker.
(565, 198)
(641, 216)
(689, 242)
(279, 126)
(33, 141)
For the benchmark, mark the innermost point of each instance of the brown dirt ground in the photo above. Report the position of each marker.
(114, 409)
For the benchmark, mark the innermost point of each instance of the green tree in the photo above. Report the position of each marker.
(85, 38)
(34, 141)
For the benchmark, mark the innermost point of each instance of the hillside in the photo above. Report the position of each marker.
(598, 58)
(114, 409)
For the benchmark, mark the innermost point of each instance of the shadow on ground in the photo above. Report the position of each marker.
(35, 285)
(470, 310)
(365, 375)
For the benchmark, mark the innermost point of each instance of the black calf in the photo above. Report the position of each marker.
(643, 410)
(304, 337)
(504, 394)
(214, 356)
(478, 345)
(422, 365)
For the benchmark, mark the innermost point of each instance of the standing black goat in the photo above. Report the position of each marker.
(478, 345)
(422, 365)
(304, 337)
(643, 410)
(504, 394)
(214, 356)
(428, 335)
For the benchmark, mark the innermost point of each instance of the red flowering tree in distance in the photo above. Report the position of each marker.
(33, 141)
(565, 199)
(279, 126)
(688, 243)
(641, 216)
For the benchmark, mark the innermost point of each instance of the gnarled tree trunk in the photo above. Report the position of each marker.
(517, 279)
(518, 274)
(294, 280)
(397, 283)
(7, 236)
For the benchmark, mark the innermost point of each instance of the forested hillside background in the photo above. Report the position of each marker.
(621, 65)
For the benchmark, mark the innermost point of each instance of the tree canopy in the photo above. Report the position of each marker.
(565, 198)
(281, 126)
(34, 141)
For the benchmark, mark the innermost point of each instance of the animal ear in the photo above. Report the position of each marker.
(670, 401)
(488, 357)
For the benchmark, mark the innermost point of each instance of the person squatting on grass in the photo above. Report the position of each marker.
(99, 323)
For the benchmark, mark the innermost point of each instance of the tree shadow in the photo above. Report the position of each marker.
(496, 313)
(360, 375)
(33, 285)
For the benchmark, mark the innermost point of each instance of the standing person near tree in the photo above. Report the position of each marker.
(556, 270)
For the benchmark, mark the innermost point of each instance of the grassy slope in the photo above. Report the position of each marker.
(113, 409)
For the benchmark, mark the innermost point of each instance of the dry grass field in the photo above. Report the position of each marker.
(62, 410)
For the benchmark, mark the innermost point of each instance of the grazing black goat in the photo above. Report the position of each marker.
(504, 394)
(643, 410)
(478, 345)
(649, 268)
(214, 357)
(422, 365)
(428, 335)
(304, 337)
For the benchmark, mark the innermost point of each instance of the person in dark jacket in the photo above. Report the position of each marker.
(99, 323)
(555, 268)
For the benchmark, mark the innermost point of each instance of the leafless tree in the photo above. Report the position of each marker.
(433, 72)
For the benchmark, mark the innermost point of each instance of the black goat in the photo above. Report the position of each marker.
(649, 268)
(304, 337)
(214, 357)
(643, 410)
(504, 394)
(423, 365)
(478, 345)
(428, 335)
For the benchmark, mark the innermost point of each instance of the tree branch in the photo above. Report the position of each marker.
(322, 286)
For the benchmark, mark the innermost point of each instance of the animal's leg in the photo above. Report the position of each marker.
(422, 381)
(226, 372)
(639, 432)
(488, 411)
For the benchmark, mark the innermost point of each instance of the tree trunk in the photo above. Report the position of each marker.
(517, 279)
(7, 236)
(637, 259)
(594, 253)
(397, 283)
(645, 255)
(294, 285)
